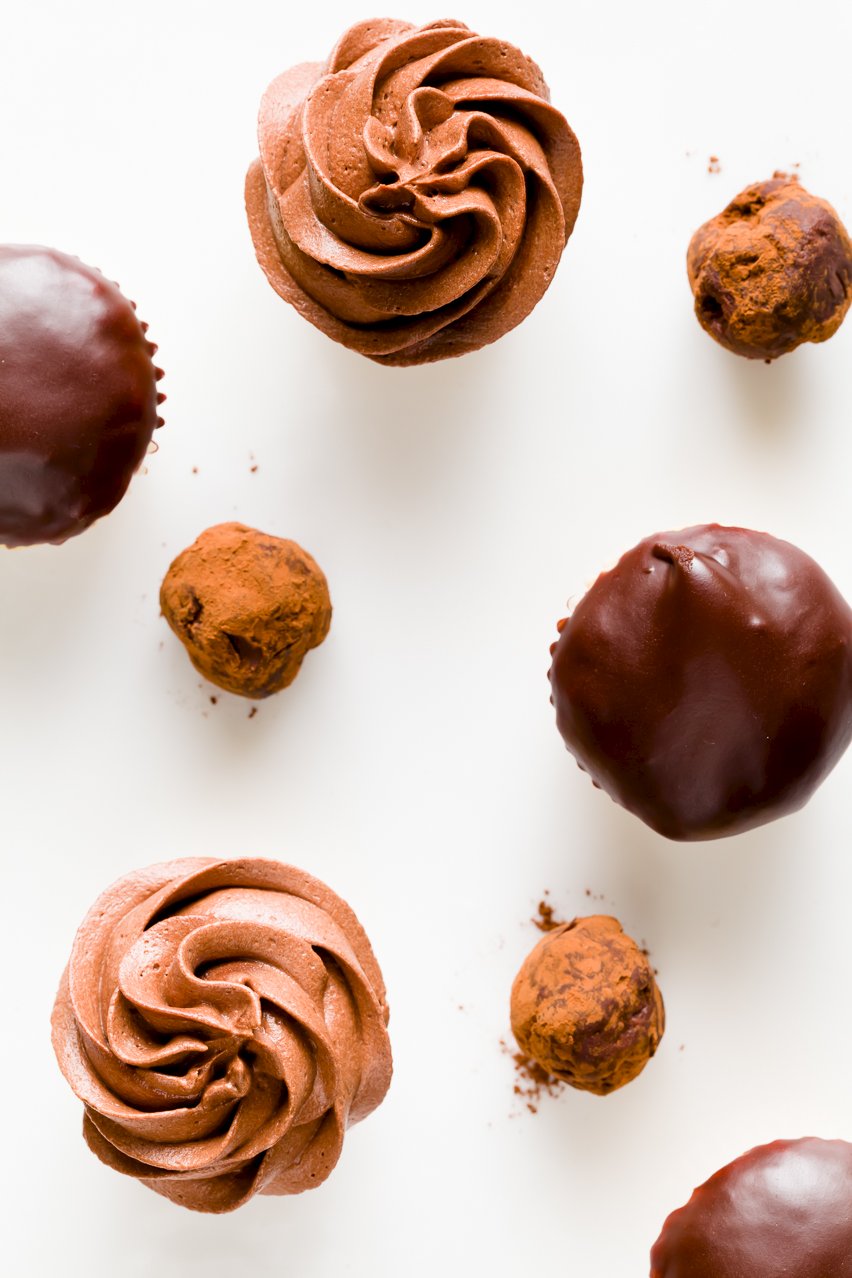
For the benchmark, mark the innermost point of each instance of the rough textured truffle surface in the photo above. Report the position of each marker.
(586, 1007)
(705, 682)
(771, 271)
(415, 192)
(247, 607)
(781, 1209)
(78, 395)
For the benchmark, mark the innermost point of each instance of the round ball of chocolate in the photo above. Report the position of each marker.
(586, 1007)
(78, 395)
(784, 1208)
(771, 271)
(705, 682)
(247, 607)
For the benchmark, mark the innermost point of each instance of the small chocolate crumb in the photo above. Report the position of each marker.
(713, 164)
(252, 712)
(545, 920)
(214, 701)
(195, 470)
(532, 1082)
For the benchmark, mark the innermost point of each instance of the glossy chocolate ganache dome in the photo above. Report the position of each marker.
(413, 194)
(780, 1211)
(705, 682)
(223, 1022)
(78, 395)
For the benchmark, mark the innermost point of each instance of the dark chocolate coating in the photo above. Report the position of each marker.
(772, 270)
(781, 1209)
(705, 683)
(78, 395)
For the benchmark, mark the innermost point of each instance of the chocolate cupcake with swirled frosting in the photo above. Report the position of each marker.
(224, 1023)
(414, 194)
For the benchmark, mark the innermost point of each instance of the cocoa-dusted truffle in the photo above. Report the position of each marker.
(586, 1007)
(784, 1208)
(705, 682)
(771, 271)
(247, 607)
(78, 395)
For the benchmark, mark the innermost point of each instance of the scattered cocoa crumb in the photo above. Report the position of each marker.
(253, 469)
(713, 164)
(680, 1049)
(546, 919)
(531, 1081)
(252, 712)
(195, 470)
(214, 701)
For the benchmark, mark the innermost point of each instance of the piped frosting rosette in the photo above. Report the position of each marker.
(413, 196)
(223, 1023)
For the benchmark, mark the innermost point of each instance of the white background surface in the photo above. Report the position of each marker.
(415, 765)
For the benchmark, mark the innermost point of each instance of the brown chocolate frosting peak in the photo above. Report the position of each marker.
(413, 196)
(223, 1022)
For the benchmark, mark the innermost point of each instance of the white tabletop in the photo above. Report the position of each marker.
(415, 765)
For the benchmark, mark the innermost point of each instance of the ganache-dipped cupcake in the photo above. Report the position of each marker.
(223, 1022)
(705, 682)
(78, 395)
(413, 194)
(781, 1209)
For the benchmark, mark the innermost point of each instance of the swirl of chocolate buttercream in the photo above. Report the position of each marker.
(413, 196)
(223, 1023)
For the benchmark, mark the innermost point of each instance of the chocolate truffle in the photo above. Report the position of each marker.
(223, 1022)
(247, 607)
(771, 271)
(784, 1208)
(705, 682)
(78, 395)
(413, 194)
(586, 1007)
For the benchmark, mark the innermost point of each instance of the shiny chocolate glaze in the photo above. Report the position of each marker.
(78, 395)
(781, 1209)
(705, 683)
